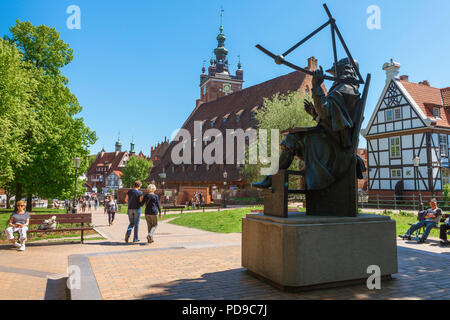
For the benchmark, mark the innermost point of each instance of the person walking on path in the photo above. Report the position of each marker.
(83, 206)
(111, 209)
(95, 204)
(152, 208)
(18, 222)
(134, 198)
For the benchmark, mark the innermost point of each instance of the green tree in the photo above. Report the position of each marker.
(57, 135)
(137, 168)
(281, 111)
(16, 92)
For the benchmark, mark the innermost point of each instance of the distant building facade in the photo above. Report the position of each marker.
(106, 171)
(410, 121)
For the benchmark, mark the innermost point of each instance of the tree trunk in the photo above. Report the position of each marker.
(8, 199)
(29, 203)
(18, 195)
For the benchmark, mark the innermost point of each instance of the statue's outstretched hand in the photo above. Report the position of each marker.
(310, 109)
(318, 77)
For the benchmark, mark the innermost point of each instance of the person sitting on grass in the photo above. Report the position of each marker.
(430, 220)
(18, 222)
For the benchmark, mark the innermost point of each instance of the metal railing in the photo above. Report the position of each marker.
(406, 202)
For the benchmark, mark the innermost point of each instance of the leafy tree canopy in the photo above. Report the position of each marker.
(281, 111)
(137, 168)
(52, 134)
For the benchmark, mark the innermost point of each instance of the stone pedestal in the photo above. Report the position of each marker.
(309, 251)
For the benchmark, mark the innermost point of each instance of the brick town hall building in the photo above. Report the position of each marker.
(223, 104)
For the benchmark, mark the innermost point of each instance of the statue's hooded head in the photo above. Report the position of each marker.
(345, 70)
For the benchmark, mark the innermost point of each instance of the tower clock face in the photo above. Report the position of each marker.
(227, 88)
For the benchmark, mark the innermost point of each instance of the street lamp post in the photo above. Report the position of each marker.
(225, 175)
(163, 176)
(76, 165)
(416, 162)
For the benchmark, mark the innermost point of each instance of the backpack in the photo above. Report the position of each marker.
(421, 215)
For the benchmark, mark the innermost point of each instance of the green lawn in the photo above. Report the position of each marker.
(230, 221)
(226, 221)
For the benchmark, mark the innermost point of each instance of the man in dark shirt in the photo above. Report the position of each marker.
(134, 198)
(431, 220)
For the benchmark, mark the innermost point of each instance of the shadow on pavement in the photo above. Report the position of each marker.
(56, 289)
(116, 243)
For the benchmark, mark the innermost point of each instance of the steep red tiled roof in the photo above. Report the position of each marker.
(112, 158)
(426, 97)
(118, 173)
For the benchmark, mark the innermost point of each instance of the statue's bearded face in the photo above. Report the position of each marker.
(344, 66)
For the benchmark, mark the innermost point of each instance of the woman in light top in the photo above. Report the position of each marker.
(152, 208)
(18, 222)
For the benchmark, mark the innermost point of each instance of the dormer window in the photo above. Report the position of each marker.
(437, 112)
(252, 115)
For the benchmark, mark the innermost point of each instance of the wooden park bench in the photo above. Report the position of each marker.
(80, 219)
(173, 208)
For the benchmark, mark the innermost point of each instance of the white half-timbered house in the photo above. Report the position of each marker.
(410, 120)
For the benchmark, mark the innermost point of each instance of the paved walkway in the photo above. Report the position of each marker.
(185, 263)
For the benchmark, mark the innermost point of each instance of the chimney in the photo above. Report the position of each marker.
(425, 83)
(312, 64)
(404, 78)
(392, 70)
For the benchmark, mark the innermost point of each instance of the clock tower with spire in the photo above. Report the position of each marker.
(218, 82)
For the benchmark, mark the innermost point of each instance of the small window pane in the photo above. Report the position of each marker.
(388, 115)
(445, 176)
(397, 114)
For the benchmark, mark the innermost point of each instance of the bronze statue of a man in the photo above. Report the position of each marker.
(326, 149)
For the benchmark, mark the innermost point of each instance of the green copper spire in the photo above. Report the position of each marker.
(221, 52)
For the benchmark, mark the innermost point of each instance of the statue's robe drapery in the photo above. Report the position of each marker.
(327, 148)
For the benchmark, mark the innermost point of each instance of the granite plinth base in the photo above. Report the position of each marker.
(309, 251)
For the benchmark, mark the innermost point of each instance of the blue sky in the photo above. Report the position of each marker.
(137, 63)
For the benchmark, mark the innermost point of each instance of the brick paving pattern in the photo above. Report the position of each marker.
(216, 273)
(186, 263)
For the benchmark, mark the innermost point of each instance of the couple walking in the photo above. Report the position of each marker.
(136, 200)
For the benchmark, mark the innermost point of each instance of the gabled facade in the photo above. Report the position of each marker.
(410, 120)
(113, 181)
(103, 166)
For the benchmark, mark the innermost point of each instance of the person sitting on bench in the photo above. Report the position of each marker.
(18, 222)
(431, 220)
(443, 232)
